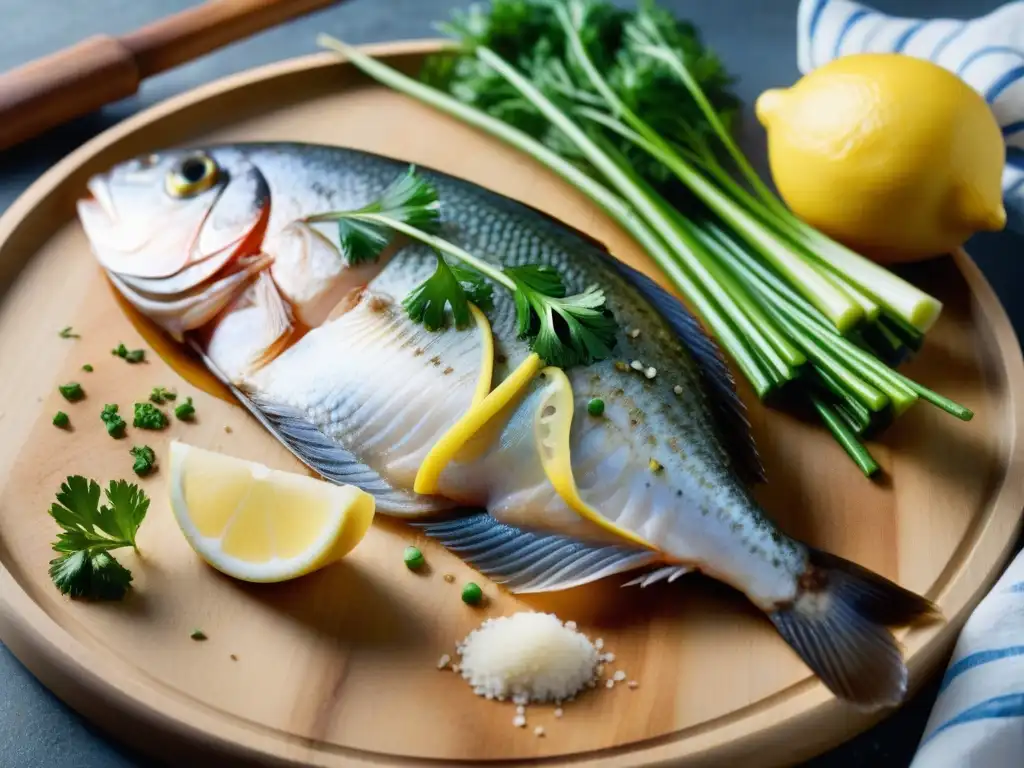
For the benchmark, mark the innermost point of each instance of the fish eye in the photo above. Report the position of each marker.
(192, 175)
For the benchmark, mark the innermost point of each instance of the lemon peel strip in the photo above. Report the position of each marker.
(552, 426)
(445, 449)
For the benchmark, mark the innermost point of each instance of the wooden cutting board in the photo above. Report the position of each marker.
(340, 667)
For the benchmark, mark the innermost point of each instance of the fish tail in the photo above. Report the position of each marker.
(838, 624)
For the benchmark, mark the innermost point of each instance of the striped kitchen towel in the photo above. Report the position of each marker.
(978, 719)
(987, 52)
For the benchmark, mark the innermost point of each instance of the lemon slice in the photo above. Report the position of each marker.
(260, 524)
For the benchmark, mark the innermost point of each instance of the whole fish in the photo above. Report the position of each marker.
(213, 246)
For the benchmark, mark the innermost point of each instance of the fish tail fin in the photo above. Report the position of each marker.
(838, 624)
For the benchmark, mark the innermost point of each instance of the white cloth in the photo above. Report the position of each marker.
(987, 52)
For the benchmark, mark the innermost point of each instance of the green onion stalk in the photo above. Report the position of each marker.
(793, 309)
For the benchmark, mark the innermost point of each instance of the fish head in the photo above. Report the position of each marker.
(155, 215)
(180, 232)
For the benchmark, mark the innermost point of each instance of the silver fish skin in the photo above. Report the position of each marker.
(324, 354)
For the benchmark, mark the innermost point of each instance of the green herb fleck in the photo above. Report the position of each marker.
(472, 594)
(67, 333)
(129, 355)
(113, 421)
(86, 568)
(414, 559)
(145, 460)
(87, 368)
(595, 407)
(185, 411)
(159, 395)
(72, 391)
(148, 416)
(60, 419)
(655, 466)
(197, 634)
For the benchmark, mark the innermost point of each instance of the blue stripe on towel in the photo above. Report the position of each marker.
(813, 26)
(902, 40)
(1008, 705)
(1019, 586)
(978, 659)
(1004, 82)
(941, 46)
(982, 53)
(1012, 128)
(850, 21)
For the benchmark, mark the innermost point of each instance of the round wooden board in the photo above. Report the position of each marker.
(339, 667)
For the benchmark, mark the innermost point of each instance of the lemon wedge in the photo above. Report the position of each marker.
(260, 524)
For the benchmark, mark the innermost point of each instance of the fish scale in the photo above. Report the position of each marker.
(367, 396)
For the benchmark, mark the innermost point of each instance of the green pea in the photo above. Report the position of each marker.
(414, 559)
(472, 594)
(595, 407)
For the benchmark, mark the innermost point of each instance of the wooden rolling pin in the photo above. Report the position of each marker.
(103, 69)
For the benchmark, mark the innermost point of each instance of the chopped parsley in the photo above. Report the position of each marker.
(72, 391)
(185, 411)
(112, 420)
(129, 355)
(159, 395)
(145, 460)
(148, 416)
(87, 368)
(60, 419)
(68, 333)
(85, 567)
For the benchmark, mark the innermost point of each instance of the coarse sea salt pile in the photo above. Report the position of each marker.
(528, 657)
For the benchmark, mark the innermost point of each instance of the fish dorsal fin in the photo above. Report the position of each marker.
(729, 411)
(526, 561)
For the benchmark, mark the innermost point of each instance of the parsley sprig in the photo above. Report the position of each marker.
(563, 330)
(85, 567)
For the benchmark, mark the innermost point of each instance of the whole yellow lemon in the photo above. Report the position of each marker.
(891, 155)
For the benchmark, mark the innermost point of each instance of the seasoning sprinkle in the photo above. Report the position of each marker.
(621, 366)
(570, 625)
(87, 368)
(599, 643)
(197, 634)
(609, 657)
(633, 685)
(678, 389)
(538, 731)
(72, 391)
(636, 365)
(610, 684)
(651, 372)
(60, 419)
(619, 676)
(444, 661)
(559, 712)
(67, 332)
(520, 710)
(227, 429)
(234, 657)
(449, 577)
(519, 721)
(655, 466)
(634, 333)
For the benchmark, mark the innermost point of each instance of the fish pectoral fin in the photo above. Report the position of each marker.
(667, 573)
(278, 316)
(524, 561)
(486, 405)
(327, 458)
(552, 426)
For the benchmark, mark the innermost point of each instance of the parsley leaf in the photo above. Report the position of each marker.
(145, 459)
(426, 302)
(478, 290)
(85, 567)
(148, 416)
(72, 391)
(563, 330)
(67, 332)
(185, 411)
(410, 200)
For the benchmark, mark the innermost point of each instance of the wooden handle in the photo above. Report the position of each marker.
(97, 71)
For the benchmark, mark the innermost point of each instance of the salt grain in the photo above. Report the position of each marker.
(651, 372)
(600, 670)
(519, 721)
(599, 643)
(677, 389)
(619, 676)
(520, 710)
(610, 684)
(444, 661)
(634, 333)
(538, 731)
(633, 684)
(609, 657)
(636, 365)
(456, 668)
(570, 625)
(558, 712)
(449, 577)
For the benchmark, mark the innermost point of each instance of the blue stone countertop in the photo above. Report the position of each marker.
(755, 38)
